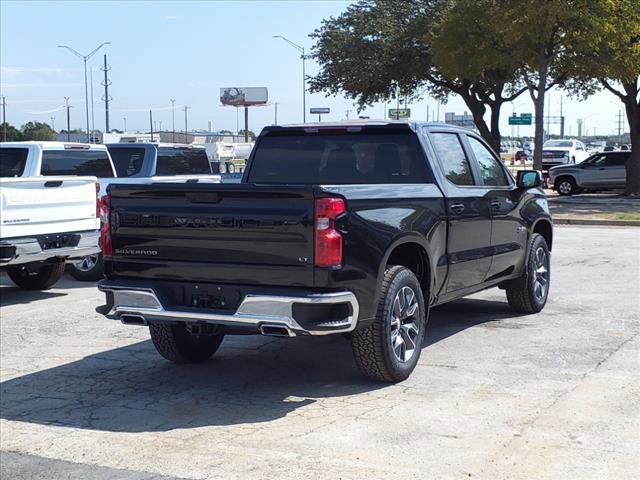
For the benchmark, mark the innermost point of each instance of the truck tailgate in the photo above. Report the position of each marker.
(44, 205)
(224, 233)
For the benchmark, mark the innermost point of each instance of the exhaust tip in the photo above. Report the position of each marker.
(132, 319)
(275, 330)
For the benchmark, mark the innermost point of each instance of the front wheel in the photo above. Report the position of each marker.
(231, 168)
(87, 269)
(388, 349)
(529, 293)
(176, 344)
(566, 186)
(36, 276)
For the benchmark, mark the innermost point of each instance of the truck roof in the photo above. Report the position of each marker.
(154, 144)
(50, 145)
(362, 123)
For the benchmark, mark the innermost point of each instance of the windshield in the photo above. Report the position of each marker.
(558, 143)
(93, 163)
(12, 161)
(182, 161)
(348, 158)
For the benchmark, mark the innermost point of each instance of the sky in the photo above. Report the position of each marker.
(187, 51)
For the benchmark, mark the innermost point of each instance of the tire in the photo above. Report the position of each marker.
(88, 269)
(36, 276)
(566, 186)
(372, 346)
(231, 168)
(529, 293)
(177, 345)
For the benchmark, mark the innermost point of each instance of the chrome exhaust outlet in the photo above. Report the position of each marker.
(275, 330)
(133, 319)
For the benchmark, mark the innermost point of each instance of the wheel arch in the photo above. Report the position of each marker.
(411, 251)
(544, 227)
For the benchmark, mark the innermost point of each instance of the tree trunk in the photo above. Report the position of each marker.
(538, 139)
(632, 167)
(496, 137)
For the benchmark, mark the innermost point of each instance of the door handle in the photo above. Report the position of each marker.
(457, 208)
(495, 204)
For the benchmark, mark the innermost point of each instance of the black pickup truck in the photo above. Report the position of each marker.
(351, 228)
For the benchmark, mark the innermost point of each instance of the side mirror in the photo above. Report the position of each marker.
(529, 178)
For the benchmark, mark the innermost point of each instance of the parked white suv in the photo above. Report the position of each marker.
(562, 152)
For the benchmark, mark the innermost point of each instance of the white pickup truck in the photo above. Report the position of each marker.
(132, 164)
(45, 221)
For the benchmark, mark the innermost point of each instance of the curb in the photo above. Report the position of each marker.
(591, 221)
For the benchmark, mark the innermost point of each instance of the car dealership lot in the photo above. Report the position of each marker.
(496, 395)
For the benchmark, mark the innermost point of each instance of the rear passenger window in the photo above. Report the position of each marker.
(12, 161)
(127, 161)
(616, 160)
(491, 171)
(93, 163)
(452, 158)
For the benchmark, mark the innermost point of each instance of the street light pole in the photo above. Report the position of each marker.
(85, 58)
(66, 102)
(4, 116)
(304, 76)
(173, 120)
(185, 123)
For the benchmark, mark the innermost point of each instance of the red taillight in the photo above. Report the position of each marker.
(105, 229)
(97, 200)
(328, 240)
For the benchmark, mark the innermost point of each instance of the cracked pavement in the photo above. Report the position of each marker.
(495, 395)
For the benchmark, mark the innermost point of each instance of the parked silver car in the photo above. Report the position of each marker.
(600, 171)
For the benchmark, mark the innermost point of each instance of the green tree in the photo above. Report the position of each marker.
(12, 133)
(605, 54)
(250, 134)
(385, 49)
(37, 131)
(537, 34)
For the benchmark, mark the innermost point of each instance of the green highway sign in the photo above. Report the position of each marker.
(399, 113)
(523, 119)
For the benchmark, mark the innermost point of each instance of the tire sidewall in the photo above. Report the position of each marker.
(537, 241)
(403, 278)
(96, 273)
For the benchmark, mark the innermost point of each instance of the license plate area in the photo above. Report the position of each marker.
(50, 242)
(203, 297)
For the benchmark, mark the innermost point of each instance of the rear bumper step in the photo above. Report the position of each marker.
(267, 314)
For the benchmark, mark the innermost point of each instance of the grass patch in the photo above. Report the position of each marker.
(627, 216)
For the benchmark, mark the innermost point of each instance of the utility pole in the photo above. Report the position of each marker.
(4, 116)
(125, 124)
(246, 124)
(151, 123)
(160, 126)
(186, 109)
(66, 101)
(276, 113)
(173, 120)
(106, 97)
(620, 127)
(438, 115)
(53, 123)
(561, 119)
(93, 118)
(347, 112)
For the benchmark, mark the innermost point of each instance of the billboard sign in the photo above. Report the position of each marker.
(319, 111)
(243, 96)
(399, 113)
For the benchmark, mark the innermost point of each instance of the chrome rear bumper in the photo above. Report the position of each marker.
(270, 314)
(28, 250)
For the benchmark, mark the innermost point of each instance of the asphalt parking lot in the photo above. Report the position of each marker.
(496, 395)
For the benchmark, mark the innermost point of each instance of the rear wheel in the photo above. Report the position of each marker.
(177, 345)
(529, 293)
(87, 269)
(36, 276)
(231, 168)
(388, 349)
(566, 186)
